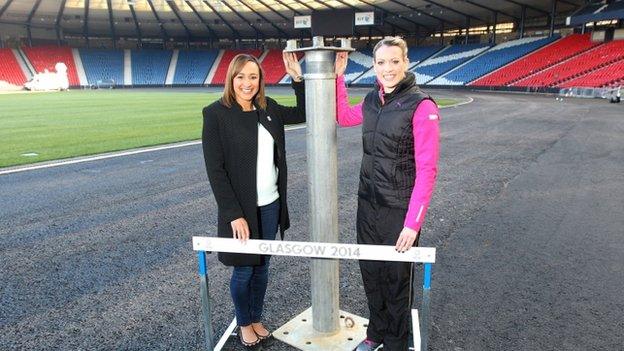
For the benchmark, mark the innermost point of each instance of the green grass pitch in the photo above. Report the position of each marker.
(77, 123)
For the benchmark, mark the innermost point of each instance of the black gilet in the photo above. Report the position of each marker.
(388, 168)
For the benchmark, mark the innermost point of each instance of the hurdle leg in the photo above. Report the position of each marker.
(205, 300)
(414, 311)
(425, 306)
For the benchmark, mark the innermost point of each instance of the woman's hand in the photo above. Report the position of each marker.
(292, 66)
(240, 228)
(406, 239)
(342, 58)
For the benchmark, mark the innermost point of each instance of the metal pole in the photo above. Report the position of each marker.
(322, 160)
(205, 300)
(522, 20)
(467, 30)
(442, 33)
(553, 12)
(494, 29)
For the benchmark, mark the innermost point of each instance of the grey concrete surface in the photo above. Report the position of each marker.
(527, 218)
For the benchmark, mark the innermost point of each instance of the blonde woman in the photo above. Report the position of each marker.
(400, 135)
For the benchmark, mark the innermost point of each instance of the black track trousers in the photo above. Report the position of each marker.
(387, 284)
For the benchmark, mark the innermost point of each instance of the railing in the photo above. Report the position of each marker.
(591, 93)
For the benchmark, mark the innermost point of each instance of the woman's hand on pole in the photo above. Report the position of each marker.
(240, 229)
(292, 66)
(406, 239)
(342, 58)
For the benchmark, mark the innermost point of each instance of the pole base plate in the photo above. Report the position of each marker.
(299, 333)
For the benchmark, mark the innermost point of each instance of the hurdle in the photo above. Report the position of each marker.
(424, 255)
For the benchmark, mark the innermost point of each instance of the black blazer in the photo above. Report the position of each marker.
(230, 143)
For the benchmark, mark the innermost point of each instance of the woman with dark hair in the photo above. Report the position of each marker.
(243, 144)
(400, 137)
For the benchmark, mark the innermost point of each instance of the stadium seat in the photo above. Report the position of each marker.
(193, 66)
(492, 59)
(359, 62)
(606, 76)
(538, 60)
(103, 65)
(228, 55)
(273, 66)
(149, 67)
(10, 70)
(46, 57)
(415, 54)
(445, 60)
(577, 66)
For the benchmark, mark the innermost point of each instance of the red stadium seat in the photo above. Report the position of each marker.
(578, 66)
(539, 60)
(228, 55)
(10, 71)
(46, 57)
(609, 75)
(273, 67)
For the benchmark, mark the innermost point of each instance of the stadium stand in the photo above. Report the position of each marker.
(596, 11)
(445, 60)
(46, 57)
(359, 62)
(193, 66)
(530, 62)
(149, 67)
(103, 65)
(273, 66)
(492, 59)
(228, 55)
(577, 66)
(539, 60)
(415, 54)
(609, 75)
(10, 70)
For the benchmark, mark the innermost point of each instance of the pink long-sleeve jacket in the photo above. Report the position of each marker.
(426, 131)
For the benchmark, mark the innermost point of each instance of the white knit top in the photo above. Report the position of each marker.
(266, 171)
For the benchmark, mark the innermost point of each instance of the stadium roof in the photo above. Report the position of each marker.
(206, 19)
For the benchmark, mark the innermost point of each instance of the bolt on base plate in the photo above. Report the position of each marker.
(299, 333)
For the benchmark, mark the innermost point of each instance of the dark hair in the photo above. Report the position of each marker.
(236, 65)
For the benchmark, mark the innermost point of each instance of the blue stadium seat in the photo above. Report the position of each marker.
(193, 66)
(149, 67)
(415, 55)
(103, 65)
(445, 60)
(494, 58)
(360, 61)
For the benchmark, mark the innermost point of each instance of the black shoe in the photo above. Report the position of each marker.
(368, 345)
(266, 340)
(254, 345)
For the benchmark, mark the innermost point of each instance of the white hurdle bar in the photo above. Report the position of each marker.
(425, 255)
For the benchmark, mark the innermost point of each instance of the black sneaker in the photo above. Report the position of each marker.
(368, 345)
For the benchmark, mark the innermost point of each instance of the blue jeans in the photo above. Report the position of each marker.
(249, 283)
